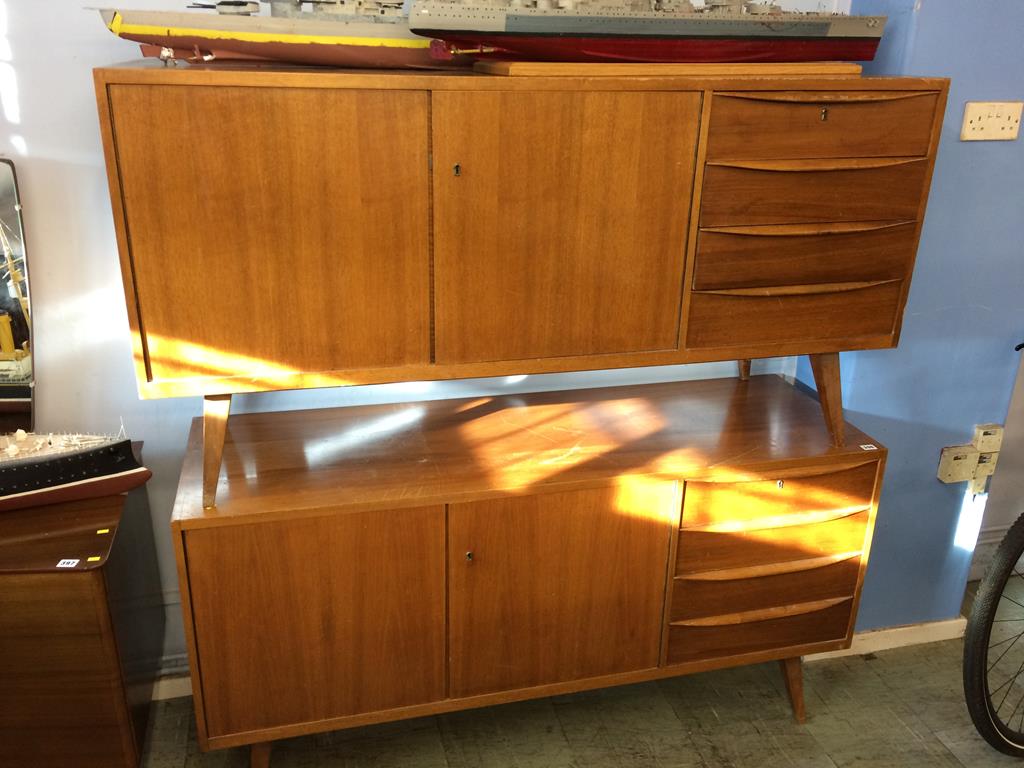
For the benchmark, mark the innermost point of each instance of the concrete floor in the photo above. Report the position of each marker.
(895, 709)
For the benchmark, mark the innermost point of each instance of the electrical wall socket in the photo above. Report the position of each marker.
(988, 437)
(958, 463)
(991, 120)
(987, 464)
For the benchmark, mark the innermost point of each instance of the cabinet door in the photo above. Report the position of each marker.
(275, 230)
(302, 620)
(557, 586)
(560, 221)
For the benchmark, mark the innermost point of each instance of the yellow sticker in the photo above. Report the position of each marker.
(93, 559)
(101, 531)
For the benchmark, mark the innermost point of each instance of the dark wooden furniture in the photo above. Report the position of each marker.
(419, 226)
(376, 563)
(66, 697)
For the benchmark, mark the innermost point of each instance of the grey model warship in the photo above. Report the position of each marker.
(337, 33)
(645, 30)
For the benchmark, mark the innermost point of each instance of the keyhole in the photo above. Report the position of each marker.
(469, 557)
(781, 484)
(457, 169)
(824, 115)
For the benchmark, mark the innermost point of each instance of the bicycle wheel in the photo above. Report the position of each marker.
(994, 648)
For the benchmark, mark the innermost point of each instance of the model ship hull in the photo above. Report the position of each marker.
(81, 474)
(322, 43)
(556, 35)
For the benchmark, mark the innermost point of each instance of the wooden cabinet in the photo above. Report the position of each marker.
(560, 219)
(492, 550)
(285, 229)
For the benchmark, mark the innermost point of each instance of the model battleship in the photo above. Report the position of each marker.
(645, 30)
(336, 33)
(47, 469)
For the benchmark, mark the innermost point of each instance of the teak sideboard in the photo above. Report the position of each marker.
(386, 562)
(293, 228)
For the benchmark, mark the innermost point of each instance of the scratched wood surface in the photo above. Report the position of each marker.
(279, 465)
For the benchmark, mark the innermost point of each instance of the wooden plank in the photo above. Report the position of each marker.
(281, 465)
(614, 69)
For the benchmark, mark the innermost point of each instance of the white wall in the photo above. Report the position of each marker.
(85, 380)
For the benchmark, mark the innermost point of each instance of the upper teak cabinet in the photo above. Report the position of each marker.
(560, 221)
(281, 229)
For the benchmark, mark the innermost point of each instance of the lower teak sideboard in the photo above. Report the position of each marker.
(385, 562)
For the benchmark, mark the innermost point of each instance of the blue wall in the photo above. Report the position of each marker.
(955, 364)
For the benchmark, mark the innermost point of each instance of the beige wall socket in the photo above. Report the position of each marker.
(988, 437)
(987, 464)
(991, 120)
(958, 463)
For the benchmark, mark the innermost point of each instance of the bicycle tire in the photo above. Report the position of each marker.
(986, 715)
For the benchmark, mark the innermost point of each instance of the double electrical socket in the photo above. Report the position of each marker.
(991, 120)
(973, 463)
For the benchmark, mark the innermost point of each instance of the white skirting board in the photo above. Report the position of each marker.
(173, 686)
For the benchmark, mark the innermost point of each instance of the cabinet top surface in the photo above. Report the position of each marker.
(282, 75)
(284, 464)
(78, 532)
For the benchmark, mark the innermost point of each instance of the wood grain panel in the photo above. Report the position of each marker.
(790, 124)
(772, 502)
(793, 254)
(787, 193)
(560, 586)
(252, 246)
(700, 551)
(694, 598)
(695, 643)
(317, 618)
(847, 311)
(61, 675)
(546, 242)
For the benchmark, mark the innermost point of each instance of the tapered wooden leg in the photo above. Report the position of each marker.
(830, 393)
(792, 673)
(215, 423)
(259, 755)
(744, 369)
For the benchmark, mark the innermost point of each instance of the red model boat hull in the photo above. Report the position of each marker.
(663, 50)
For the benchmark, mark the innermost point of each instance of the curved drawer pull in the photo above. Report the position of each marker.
(813, 289)
(826, 164)
(778, 521)
(807, 230)
(770, 569)
(817, 97)
(763, 614)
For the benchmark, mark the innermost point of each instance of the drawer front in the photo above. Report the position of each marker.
(810, 623)
(797, 254)
(733, 317)
(769, 503)
(801, 124)
(702, 550)
(710, 594)
(800, 191)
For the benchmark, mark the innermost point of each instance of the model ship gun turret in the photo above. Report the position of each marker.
(645, 30)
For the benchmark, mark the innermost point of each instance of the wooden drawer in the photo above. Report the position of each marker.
(708, 550)
(710, 593)
(810, 497)
(798, 191)
(795, 254)
(802, 124)
(743, 316)
(736, 634)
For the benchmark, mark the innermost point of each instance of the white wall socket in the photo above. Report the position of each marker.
(958, 463)
(988, 437)
(991, 120)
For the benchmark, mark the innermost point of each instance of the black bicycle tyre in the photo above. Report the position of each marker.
(976, 642)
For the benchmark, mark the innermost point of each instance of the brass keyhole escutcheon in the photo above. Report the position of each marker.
(824, 114)
(457, 168)
(469, 556)
(781, 484)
